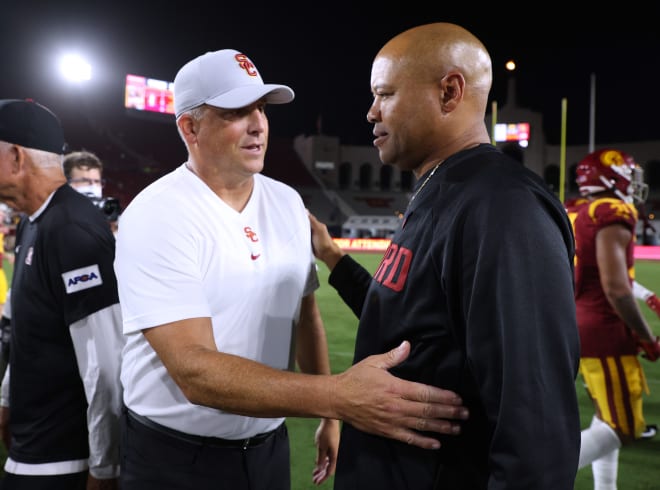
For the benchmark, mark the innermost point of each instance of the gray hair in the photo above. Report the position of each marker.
(196, 114)
(39, 158)
(45, 159)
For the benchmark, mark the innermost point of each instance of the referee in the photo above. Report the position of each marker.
(66, 337)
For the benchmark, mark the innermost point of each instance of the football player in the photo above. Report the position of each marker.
(640, 291)
(613, 330)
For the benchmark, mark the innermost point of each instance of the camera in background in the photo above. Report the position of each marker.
(109, 206)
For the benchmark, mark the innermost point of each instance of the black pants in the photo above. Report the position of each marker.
(154, 460)
(73, 481)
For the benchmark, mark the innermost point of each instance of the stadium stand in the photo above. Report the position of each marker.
(349, 189)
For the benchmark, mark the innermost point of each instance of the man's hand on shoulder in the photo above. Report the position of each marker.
(325, 249)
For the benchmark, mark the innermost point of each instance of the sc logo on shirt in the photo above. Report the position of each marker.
(83, 278)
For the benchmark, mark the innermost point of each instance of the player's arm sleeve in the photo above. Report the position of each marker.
(641, 292)
(98, 342)
(648, 296)
(351, 281)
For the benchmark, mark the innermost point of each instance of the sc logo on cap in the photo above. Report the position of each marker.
(245, 63)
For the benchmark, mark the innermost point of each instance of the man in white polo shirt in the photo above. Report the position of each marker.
(216, 281)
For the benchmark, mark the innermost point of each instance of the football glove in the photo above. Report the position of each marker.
(650, 350)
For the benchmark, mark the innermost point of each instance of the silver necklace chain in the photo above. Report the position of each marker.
(425, 182)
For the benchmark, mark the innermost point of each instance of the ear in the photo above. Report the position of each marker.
(17, 157)
(188, 128)
(452, 89)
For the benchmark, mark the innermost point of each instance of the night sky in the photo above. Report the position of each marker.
(324, 52)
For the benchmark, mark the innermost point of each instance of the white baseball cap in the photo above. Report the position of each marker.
(227, 79)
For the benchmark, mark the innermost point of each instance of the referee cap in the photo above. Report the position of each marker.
(29, 124)
(227, 79)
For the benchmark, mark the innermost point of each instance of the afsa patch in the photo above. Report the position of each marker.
(83, 278)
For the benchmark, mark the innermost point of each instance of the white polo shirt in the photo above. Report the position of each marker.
(182, 252)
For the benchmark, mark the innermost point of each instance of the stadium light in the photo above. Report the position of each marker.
(75, 69)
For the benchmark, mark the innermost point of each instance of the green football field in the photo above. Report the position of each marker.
(639, 465)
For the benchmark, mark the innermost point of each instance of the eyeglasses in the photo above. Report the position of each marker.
(87, 181)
